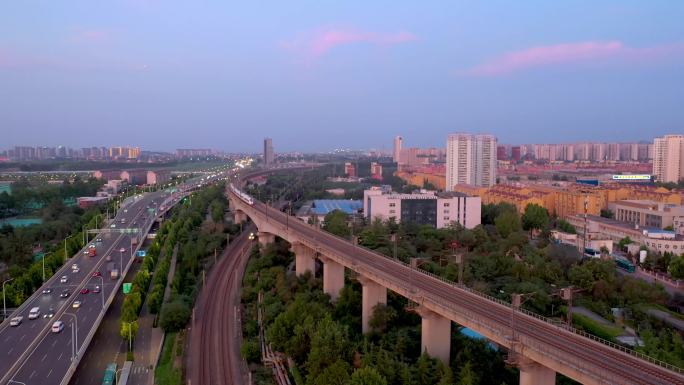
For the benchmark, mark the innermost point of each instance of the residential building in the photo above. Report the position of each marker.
(107, 174)
(470, 159)
(396, 154)
(87, 202)
(134, 177)
(668, 158)
(269, 155)
(376, 170)
(158, 176)
(647, 213)
(349, 170)
(516, 155)
(426, 208)
(656, 240)
(418, 177)
(193, 152)
(501, 153)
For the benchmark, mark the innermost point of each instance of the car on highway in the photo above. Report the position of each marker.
(64, 294)
(122, 250)
(113, 225)
(96, 289)
(76, 304)
(76, 270)
(86, 252)
(97, 274)
(57, 326)
(98, 240)
(64, 279)
(16, 321)
(47, 291)
(85, 290)
(50, 313)
(34, 312)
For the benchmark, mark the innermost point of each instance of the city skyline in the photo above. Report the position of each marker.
(357, 72)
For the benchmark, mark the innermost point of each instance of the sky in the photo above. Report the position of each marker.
(319, 75)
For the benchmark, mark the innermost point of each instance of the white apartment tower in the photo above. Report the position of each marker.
(470, 159)
(397, 149)
(668, 158)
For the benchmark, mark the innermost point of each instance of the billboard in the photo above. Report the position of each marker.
(633, 177)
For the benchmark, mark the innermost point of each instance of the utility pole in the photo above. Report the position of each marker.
(4, 304)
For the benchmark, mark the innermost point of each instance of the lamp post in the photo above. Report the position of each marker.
(4, 304)
(130, 334)
(65, 247)
(121, 250)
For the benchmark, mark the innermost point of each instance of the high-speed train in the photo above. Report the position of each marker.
(244, 196)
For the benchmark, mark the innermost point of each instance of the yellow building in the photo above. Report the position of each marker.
(419, 179)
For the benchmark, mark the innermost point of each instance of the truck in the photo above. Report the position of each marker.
(114, 274)
(92, 251)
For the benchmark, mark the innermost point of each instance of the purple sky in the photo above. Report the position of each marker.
(315, 75)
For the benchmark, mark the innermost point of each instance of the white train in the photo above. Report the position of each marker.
(244, 196)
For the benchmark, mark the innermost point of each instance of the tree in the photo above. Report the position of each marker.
(466, 376)
(382, 316)
(507, 223)
(250, 351)
(565, 226)
(335, 222)
(535, 217)
(335, 374)
(624, 242)
(367, 376)
(328, 344)
(676, 267)
(175, 315)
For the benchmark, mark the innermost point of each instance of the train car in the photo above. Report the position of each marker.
(625, 265)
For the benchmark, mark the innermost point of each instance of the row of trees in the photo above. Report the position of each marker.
(28, 195)
(325, 341)
(198, 230)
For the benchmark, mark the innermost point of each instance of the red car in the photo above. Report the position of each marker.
(97, 274)
(85, 290)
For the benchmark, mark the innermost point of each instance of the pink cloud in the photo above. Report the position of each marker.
(322, 42)
(581, 52)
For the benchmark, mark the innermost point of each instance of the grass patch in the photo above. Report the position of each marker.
(585, 323)
(165, 373)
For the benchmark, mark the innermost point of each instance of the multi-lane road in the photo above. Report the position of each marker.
(36, 355)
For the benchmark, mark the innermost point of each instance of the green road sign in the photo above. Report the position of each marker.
(127, 287)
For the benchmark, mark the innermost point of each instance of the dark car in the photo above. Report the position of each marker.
(64, 294)
(47, 291)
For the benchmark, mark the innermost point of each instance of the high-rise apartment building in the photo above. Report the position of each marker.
(471, 159)
(397, 149)
(668, 158)
(269, 155)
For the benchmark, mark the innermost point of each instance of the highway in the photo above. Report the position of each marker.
(541, 339)
(35, 355)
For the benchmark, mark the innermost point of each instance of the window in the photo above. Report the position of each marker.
(392, 212)
(446, 211)
(446, 204)
(392, 204)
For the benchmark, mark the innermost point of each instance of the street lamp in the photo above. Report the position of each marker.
(4, 304)
(130, 334)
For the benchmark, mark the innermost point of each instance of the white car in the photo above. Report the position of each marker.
(76, 304)
(113, 225)
(57, 326)
(85, 251)
(74, 266)
(64, 279)
(76, 270)
(16, 321)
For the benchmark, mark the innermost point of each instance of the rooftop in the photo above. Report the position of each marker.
(325, 206)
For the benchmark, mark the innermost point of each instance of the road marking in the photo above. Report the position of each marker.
(8, 337)
(60, 356)
(49, 373)
(44, 357)
(54, 343)
(32, 374)
(22, 337)
(10, 350)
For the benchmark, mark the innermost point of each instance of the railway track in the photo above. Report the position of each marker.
(214, 347)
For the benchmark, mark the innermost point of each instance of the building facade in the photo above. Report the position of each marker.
(396, 154)
(649, 214)
(269, 155)
(668, 158)
(470, 159)
(426, 208)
